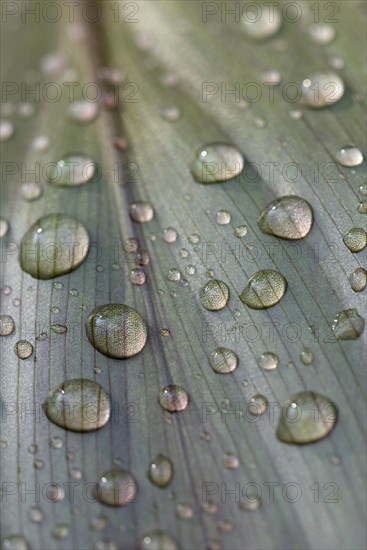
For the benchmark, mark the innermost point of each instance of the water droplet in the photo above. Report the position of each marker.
(268, 361)
(265, 289)
(6, 130)
(141, 212)
(358, 279)
(306, 417)
(4, 227)
(36, 515)
(60, 531)
(184, 511)
(225, 526)
(210, 507)
(322, 90)
(356, 239)
(307, 356)
(223, 217)
(23, 349)
(348, 325)
(214, 295)
(288, 217)
(72, 171)
(38, 464)
(262, 24)
(349, 156)
(32, 449)
(7, 325)
(171, 114)
(260, 122)
(142, 257)
(271, 77)
(170, 235)
(40, 144)
(116, 488)
(54, 492)
(190, 269)
(194, 238)
(14, 542)
(56, 443)
(79, 405)
(173, 398)
(51, 240)
(250, 504)
(321, 33)
(240, 231)
(116, 330)
(58, 329)
(31, 191)
(296, 114)
(160, 471)
(363, 189)
(223, 360)
(83, 111)
(174, 275)
(216, 163)
(137, 277)
(131, 245)
(58, 285)
(336, 62)
(362, 207)
(158, 540)
(231, 461)
(258, 405)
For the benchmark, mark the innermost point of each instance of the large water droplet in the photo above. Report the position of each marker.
(7, 325)
(79, 405)
(23, 349)
(262, 24)
(214, 295)
(116, 330)
(356, 239)
(348, 325)
(306, 417)
(265, 289)
(216, 163)
(141, 212)
(14, 542)
(173, 398)
(160, 471)
(116, 488)
(268, 361)
(358, 279)
(223, 360)
(72, 171)
(288, 217)
(158, 540)
(321, 33)
(322, 90)
(349, 156)
(54, 245)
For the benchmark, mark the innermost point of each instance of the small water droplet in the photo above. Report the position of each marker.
(271, 77)
(50, 257)
(216, 163)
(296, 114)
(363, 189)
(137, 277)
(362, 207)
(173, 398)
(160, 471)
(4, 227)
(250, 504)
(223, 217)
(56, 443)
(14, 542)
(31, 191)
(40, 144)
(38, 464)
(99, 523)
(60, 531)
(356, 239)
(288, 217)
(141, 212)
(231, 461)
(349, 156)
(258, 405)
(322, 90)
(240, 231)
(225, 526)
(214, 295)
(184, 511)
(210, 507)
(116, 330)
(158, 540)
(23, 349)
(116, 488)
(223, 360)
(307, 356)
(74, 292)
(79, 405)
(58, 329)
(83, 111)
(306, 417)
(170, 235)
(268, 361)
(358, 279)
(171, 114)
(348, 325)
(336, 62)
(7, 325)
(36, 515)
(265, 289)
(321, 33)
(32, 449)
(262, 24)
(72, 171)
(6, 130)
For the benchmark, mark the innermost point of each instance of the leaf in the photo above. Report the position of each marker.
(328, 506)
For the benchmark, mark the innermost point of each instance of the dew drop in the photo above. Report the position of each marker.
(288, 217)
(55, 229)
(225, 526)
(321, 33)
(356, 239)
(210, 507)
(36, 515)
(214, 295)
(306, 417)
(171, 114)
(362, 207)
(216, 163)
(240, 231)
(190, 269)
(158, 540)
(363, 189)
(58, 329)
(6, 130)
(116, 330)
(7, 325)
(170, 235)
(268, 361)
(79, 405)
(141, 212)
(358, 279)
(31, 191)
(184, 511)
(223, 217)
(116, 488)
(348, 325)
(262, 24)
(250, 504)
(307, 356)
(265, 289)
(23, 349)
(4, 227)
(271, 77)
(173, 398)
(231, 461)
(160, 471)
(83, 111)
(14, 542)
(60, 531)
(99, 523)
(174, 275)
(137, 277)
(40, 144)
(72, 171)
(349, 156)
(105, 544)
(223, 360)
(258, 405)
(56, 443)
(322, 90)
